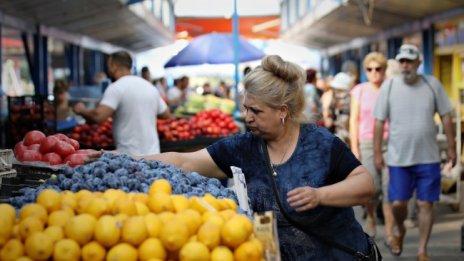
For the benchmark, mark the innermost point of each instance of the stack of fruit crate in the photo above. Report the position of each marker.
(6, 165)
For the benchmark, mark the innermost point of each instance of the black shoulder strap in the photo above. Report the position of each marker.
(388, 97)
(433, 92)
(357, 254)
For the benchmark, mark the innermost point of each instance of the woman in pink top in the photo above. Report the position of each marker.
(363, 99)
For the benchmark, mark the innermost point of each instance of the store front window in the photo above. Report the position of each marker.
(16, 77)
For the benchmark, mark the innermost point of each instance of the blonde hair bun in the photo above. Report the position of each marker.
(288, 72)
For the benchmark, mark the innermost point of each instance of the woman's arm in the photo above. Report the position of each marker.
(354, 122)
(356, 189)
(199, 161)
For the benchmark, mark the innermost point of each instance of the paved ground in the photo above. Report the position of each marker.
(445, 241)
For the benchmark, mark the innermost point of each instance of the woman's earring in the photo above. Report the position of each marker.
(283, 121)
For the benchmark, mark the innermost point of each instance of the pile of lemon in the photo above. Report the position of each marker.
(114, 225)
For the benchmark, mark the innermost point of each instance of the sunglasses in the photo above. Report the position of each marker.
(377, 69)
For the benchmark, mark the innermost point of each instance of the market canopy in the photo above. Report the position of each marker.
(214, 48)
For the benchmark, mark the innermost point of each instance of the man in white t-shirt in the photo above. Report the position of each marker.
(134, 105)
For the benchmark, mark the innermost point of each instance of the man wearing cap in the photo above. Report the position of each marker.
(410, 101)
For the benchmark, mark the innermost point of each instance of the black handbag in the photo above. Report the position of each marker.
(374, 252)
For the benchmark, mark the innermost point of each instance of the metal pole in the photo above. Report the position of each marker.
(236, 57)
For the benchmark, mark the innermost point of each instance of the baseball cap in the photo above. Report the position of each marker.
(408, 52)
(341, 81)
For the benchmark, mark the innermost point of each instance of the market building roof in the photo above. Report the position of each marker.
(115, 22)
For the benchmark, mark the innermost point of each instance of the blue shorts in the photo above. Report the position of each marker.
(424, 178)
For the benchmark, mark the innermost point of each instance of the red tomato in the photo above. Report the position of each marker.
(47, 144)
(74, 143)
(30, 155)
(33, 137)
(75, 159)
(19, 148)
(35, 147)
(52, 158)
(64, 149)
(61, 137)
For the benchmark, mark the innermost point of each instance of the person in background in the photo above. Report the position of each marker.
(222, 91)
(336, 105)
(61, 100)
(145, 73)
(413, 155)
(393, 70)
(363, 99)
(206, 88)
(134, 105)
(315, 171)
(313, 104)
(162, 87)
(177, 95)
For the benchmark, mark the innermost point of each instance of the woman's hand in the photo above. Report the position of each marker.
(303, 198)
(91, 157)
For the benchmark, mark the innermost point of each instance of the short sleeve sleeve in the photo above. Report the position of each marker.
(342, 162)
(111, 97)
(356, 91)
(443, 104)
(222, 152)
(381, 106)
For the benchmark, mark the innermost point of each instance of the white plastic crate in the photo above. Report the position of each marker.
(7, 174)
(6, 160)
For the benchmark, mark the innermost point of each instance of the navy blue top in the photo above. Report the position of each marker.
(319, 159)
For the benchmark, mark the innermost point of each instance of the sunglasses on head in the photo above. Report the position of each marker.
(377, 69)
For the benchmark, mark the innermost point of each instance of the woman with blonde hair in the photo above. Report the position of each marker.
(363, 99)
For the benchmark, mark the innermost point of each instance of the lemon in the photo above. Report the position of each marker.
(8, 211)
(222, 253)
(30, 225)
(194, 251)
(234, 232)
(160, 202)
(123, 205)
(55, 233)
(232, 205)
(50, 199)
(107, 231)
(134, 230)
(247, 252)
(6, 229)
(165, 217)
(39, 246)
(59, 218)
(211, 200)
(174, 234)
(152, 248)
(160, 186)
(200, 205)
(66, 250)
(141, 208)
(153, 224)
(35, 210)
(112, 195)
(80, 228)
(180, 203)
(213, 217)
(83, 201)
(138, 197)
(12, 250)
(97, 207)
(191, 218)
(68, 199)
(122, 252)
(246, 221)
(93, 251)
(210, 235)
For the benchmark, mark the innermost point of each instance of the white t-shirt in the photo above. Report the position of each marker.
(136, 103)
(173, 95)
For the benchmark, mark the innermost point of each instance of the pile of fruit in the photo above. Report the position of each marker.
(53, 150)
(122, 172)
(120, 226)
(94, 135)
(209, 123)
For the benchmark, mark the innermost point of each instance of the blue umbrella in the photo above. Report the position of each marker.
(214, 48)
